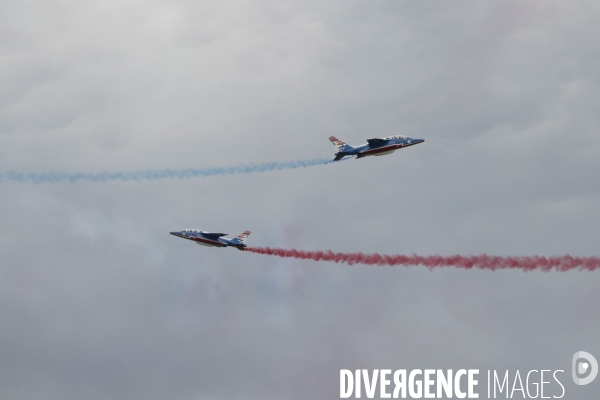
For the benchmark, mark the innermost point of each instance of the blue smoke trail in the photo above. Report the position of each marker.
(152, 175)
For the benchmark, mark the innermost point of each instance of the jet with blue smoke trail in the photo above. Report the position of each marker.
(157, 174)
(373, 147)
(211, 239)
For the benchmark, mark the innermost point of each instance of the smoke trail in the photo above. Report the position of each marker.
(483, 261)
(151, 175)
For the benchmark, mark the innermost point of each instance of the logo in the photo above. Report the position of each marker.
(582, 363)
(464, 383)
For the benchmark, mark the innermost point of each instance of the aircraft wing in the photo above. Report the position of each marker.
(377, 142)
(212, 236)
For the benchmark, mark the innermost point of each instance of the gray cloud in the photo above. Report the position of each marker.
(97, 301)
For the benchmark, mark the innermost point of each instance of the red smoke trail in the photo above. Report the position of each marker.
(483, 261)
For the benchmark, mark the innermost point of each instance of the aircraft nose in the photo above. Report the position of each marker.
(175, 233)
(417, 141)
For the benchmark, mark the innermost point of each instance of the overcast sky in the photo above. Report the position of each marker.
(97, 301)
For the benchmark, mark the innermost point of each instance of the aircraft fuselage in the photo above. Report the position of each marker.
(375, 147)
(211, 239)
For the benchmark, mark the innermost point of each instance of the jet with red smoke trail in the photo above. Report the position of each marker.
(213, 239)
(373, 147)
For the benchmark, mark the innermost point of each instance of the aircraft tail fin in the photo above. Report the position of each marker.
(241, 238)
(340, 146)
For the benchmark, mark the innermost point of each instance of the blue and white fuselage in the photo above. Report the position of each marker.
(373, 147)
(213, 239)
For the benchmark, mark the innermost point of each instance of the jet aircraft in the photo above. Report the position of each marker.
(373, 147)
(213, 239)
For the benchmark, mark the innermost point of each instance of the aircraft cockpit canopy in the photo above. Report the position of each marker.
(398, 137)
